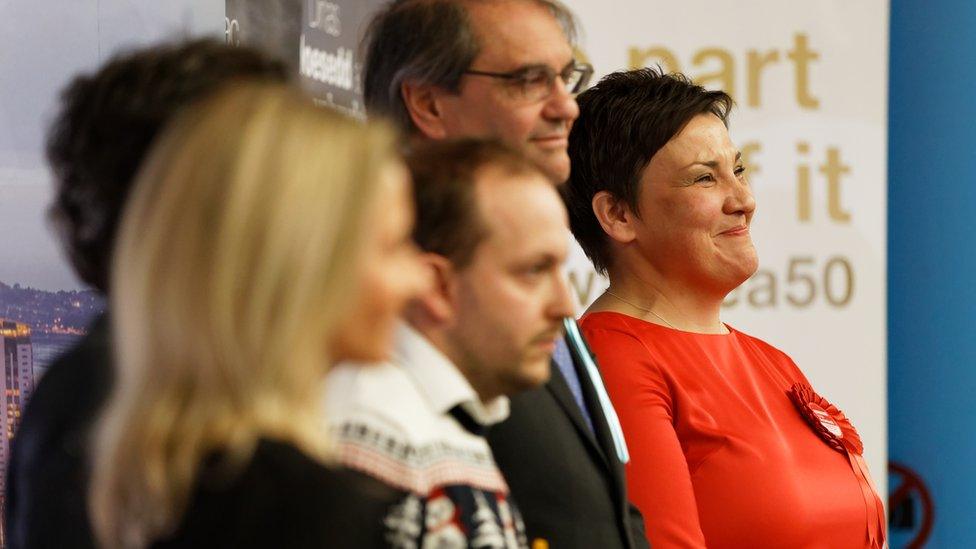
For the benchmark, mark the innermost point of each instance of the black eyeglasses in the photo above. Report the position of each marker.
(535, 83)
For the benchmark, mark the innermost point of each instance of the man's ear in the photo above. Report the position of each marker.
(421, 101)
(438, 305)
(615, 216)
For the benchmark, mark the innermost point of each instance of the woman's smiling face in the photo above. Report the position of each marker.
(696, 208)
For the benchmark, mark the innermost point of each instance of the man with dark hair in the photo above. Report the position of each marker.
(492, 231)
(107, 123)
(505, 69)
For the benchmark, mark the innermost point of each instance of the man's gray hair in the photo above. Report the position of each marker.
(429, 42)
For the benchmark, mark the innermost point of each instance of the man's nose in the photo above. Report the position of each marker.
(562, 300)
(561, 105)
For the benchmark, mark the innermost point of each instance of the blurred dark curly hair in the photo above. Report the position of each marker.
(106, 124)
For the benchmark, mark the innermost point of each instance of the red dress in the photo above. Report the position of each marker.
(720, 455)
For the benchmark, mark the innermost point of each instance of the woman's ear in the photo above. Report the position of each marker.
(615, 216)
(421, 102)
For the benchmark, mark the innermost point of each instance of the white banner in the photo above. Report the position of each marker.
(810, 82)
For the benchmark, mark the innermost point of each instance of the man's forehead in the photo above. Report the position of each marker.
(521, 211)
(516, 33)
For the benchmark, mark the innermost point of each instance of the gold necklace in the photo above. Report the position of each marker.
(645, 309)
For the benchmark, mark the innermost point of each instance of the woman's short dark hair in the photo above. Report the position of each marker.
(106, 124)
(428, 41)
(624, 120)
(448, 220)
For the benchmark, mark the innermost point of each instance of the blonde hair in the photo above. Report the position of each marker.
(237, 256)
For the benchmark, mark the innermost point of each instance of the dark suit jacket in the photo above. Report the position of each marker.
(47, 477)
(566, 480)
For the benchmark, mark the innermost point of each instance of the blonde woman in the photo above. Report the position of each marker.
(265, 240)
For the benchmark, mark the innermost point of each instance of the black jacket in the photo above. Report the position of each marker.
(47, 476)
(566, 479)
(284, 498)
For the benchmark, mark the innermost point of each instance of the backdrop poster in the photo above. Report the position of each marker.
(330, 63)
(43, 307)
(810, 82)
(270, 25)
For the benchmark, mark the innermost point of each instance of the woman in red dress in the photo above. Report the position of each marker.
(729, 444)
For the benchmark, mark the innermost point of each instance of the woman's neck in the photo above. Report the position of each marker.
(651, 297)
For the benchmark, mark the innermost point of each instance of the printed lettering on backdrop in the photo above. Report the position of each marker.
(329, 62)
(810, 84)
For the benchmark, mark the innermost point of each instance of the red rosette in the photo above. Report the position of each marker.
(836, 430)
(826, 420)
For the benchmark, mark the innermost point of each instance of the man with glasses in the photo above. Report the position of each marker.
(504, 69)
(498, 69)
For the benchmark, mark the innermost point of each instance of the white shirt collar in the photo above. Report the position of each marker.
(439, 380)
